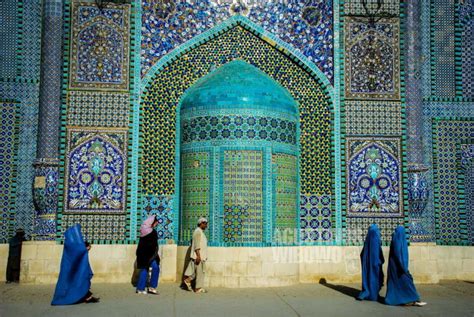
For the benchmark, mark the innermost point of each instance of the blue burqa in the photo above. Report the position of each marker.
(372, 260)
(400, 287)
(75, 275)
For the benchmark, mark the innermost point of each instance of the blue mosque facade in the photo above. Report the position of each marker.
(286, 122)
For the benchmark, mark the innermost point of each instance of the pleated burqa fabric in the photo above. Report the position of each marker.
(400, 287)
(75, 274)
(372, 260)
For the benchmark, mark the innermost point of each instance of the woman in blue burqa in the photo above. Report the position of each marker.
(372, 260)
(75, 275)
(400, 287)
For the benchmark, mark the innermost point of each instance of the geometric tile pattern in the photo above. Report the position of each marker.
(95, 176)
(239, 127)
(355, 7)
(467, 186)
(447, 134)
(27, 93)
(315, 218)
(372, 59)
(8, 139)
(306, 25)
(100, 47)
(373, 117)
(443, 47)
(98, 109)
(195, 191)
(234, 219)
(51, 80)
(243, 196)
(161, 98)
(97, 227)
(45, 195)
(285, 170)
(467, 60)
(20, 51)
(162, 207)
(356, 228)
(434, 110)
(30, 57)
(9, 36)
(413, 61)
(374, 177)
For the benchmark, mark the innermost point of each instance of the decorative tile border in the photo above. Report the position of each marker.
(374, 177)
(95, 175)
(100, 47)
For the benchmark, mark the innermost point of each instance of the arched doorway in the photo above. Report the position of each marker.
(166, 85)
(239, 158)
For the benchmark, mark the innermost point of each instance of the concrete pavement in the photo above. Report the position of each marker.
(444, 299)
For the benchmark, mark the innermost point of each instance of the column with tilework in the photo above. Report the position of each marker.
(45, 186)
(418, 189)
(374, 118)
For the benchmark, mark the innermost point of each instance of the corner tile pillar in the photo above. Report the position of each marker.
(418, 188)
(45, 185)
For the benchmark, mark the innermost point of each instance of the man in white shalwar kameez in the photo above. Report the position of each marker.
(196, 266)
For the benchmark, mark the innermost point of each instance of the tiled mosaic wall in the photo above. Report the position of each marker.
(96, 179)
(466, 25)
(162, 207)
(447, 79)
(9, 35)
(161, 97)
(431, 111)
(195, 169)
(101, 54)
(448, 135)
(442, 46)
(374, 178)
(466, 186)
(285, 188)
(373, 119)
(243, 196)
(19, 77)
(306, 25)
(96, 118)
(8, 149)
(372, 59)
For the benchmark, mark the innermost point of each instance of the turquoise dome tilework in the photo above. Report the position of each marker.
(238, 84)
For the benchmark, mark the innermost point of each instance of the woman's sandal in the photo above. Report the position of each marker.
(92, 300)
(200, 290)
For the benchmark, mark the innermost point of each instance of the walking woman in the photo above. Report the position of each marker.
(400, 287)
(147, 256)
(372, 260)
(75, 275)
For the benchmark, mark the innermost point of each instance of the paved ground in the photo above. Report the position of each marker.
(446, 299)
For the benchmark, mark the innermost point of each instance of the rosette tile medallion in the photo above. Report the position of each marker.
(239, 156)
